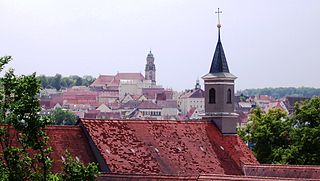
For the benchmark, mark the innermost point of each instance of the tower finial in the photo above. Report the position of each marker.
(218, 12)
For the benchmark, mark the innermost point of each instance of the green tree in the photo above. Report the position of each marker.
(268, 132)
(306, 132)
(277, 138)
(56, 82)
(63, 117)
(24, 144)
(44, 81)
(19, 109)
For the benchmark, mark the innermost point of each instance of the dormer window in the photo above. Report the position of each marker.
(212, 96)
(229, 96)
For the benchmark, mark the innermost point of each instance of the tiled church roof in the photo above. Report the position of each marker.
(167, 147)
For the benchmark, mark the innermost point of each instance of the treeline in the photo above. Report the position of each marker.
(59, 82)
(282, 92)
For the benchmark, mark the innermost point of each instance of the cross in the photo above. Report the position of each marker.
(218, 12)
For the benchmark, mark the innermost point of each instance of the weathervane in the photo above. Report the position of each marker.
(218, 12)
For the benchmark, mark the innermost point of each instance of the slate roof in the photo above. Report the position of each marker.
(219, 61)
(167, 147)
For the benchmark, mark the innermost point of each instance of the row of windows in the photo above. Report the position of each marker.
(212, 96)
(151, 113)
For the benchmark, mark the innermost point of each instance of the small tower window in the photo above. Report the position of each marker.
(212, 96)
(229, 96)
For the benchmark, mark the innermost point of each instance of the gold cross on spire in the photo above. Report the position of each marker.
(218, 12)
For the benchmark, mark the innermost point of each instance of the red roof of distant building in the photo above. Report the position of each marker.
(194, 93)
(167, 103)
(126, 76)
(167, 147)
(148, 105)
(102, 80)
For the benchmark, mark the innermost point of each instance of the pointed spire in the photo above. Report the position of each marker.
(219, 61)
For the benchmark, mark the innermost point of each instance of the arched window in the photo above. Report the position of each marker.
(229, 96)
(212, 96)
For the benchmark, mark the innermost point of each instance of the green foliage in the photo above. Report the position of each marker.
(282, 92)
(59, 82)
(306, 132)
(74, 170)
(277, 138)
(63, 117)
(269, 134)
(24, 144)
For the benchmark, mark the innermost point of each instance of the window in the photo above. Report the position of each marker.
(212, 96)
(229, 96)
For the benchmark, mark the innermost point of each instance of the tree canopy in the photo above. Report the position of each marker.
(59, 82)
(277, 138)
(63, 117)
(25, 153)
(282, 92)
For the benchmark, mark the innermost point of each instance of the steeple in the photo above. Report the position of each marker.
(219, 91)
(219, 62)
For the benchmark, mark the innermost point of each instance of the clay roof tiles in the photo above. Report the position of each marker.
(167, 147)
(102, 80)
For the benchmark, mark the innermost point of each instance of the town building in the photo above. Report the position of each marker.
(190, 99)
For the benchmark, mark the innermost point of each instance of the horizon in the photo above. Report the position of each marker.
(267, 44)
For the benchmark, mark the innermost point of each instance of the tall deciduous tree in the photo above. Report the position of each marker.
(306, 132)
(24, 144)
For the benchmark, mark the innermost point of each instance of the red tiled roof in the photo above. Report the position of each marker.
(201, 177)
(126, 76)
(194, 93)
(102, 80)
(167, 147)
(284, 171)
(69, 138)
(148, 105)
(62, 138)
(129, 76)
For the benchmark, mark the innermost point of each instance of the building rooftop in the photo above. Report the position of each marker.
(167, 147)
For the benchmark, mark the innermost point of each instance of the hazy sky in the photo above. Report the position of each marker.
(268, 43)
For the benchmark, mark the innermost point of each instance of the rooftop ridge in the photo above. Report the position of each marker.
(147, 121)
(64, 127)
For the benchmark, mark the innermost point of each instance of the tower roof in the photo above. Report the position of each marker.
(219, 62)
(150, 54)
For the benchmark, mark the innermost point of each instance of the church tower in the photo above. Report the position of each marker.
(219, 91)
(150, 71)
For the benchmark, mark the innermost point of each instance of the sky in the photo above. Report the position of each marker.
(268, 43)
